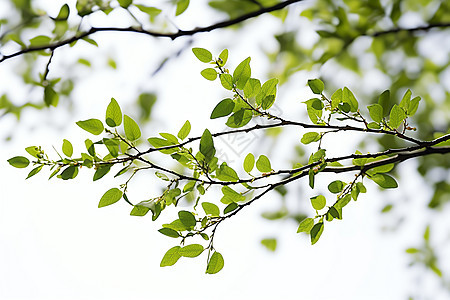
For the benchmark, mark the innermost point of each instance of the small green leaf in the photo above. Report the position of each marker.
(33, 151)
(215, 263)
(185, 130)
(242, 73)
(240, 118)
(101, 171)
(376, 112)
(311, 178)
(207, 145)
(230, 195)
(316, 86)
(316, 232)
(249, 162)
(182, 5)
(51, 98)
(171, 257)
(223, 57)
(396, 116)
(413, 105)
(310, 137)
(139, 211)
(336, 186)
(40, 40)
(306, 225)
(348, 97)
(193, 250)
(67, 148)
(19, 162)
(93, 126)
(318, 202)
(34, 171)
(230, 207)
(169, 232)
(270, 244)
(187, 218)
(226, 80)
(263, 164)
(412, 250)
(132, 131)
(69, 173)
(110, 197)
(405, 100)
(63, 13)
(209, 73)
(211, 209)
(113, 114)
(224, 108)
(268, 88)
(252, 87)
(384, 100)
(385, 181)
(202, 54)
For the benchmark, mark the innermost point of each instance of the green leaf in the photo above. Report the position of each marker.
(193, 250)
(310, 137)
(316, 86)
(202, 54)
(268, 88)
(384, 100)
(316, 232)
(182, 5)
(93, 126)
(125, 3)
(268, 101)
(209, 73)
(50, 96)
(263, 164)
(33, 151)
(230, 195)
(311, 178)
(230, 207)
(110, 197)
(132, 131)
(376, 112)
(185, 130)
(396, 116)
(223, 57)
(113, 146)
(240, 118)
(348, 97)
(40, 40)
(113, 114)
(34, 171)
(252, 87)
(101, 171)
(69, 173)
(215, 263)
(385, 181)
(413, 105)
(187, 218)
(211, 209)
(249, 162)
(336, 98)
(412, 250)
(139, 211)
(242, 73)
(67, 148)
(171, 257)
(19, 162)
(318, 202)
(306, 225)
(406, 100)
(152, 12)
(224, 108)
(207, 145)
(270, 244)
(226, 80)
(336, 186)
(334, 213)
(169, 232)
(63, 13)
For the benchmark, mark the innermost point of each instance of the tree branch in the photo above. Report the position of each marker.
(410, 30)
(172, 36)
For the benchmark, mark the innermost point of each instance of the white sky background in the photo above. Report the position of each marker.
(56, 244)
